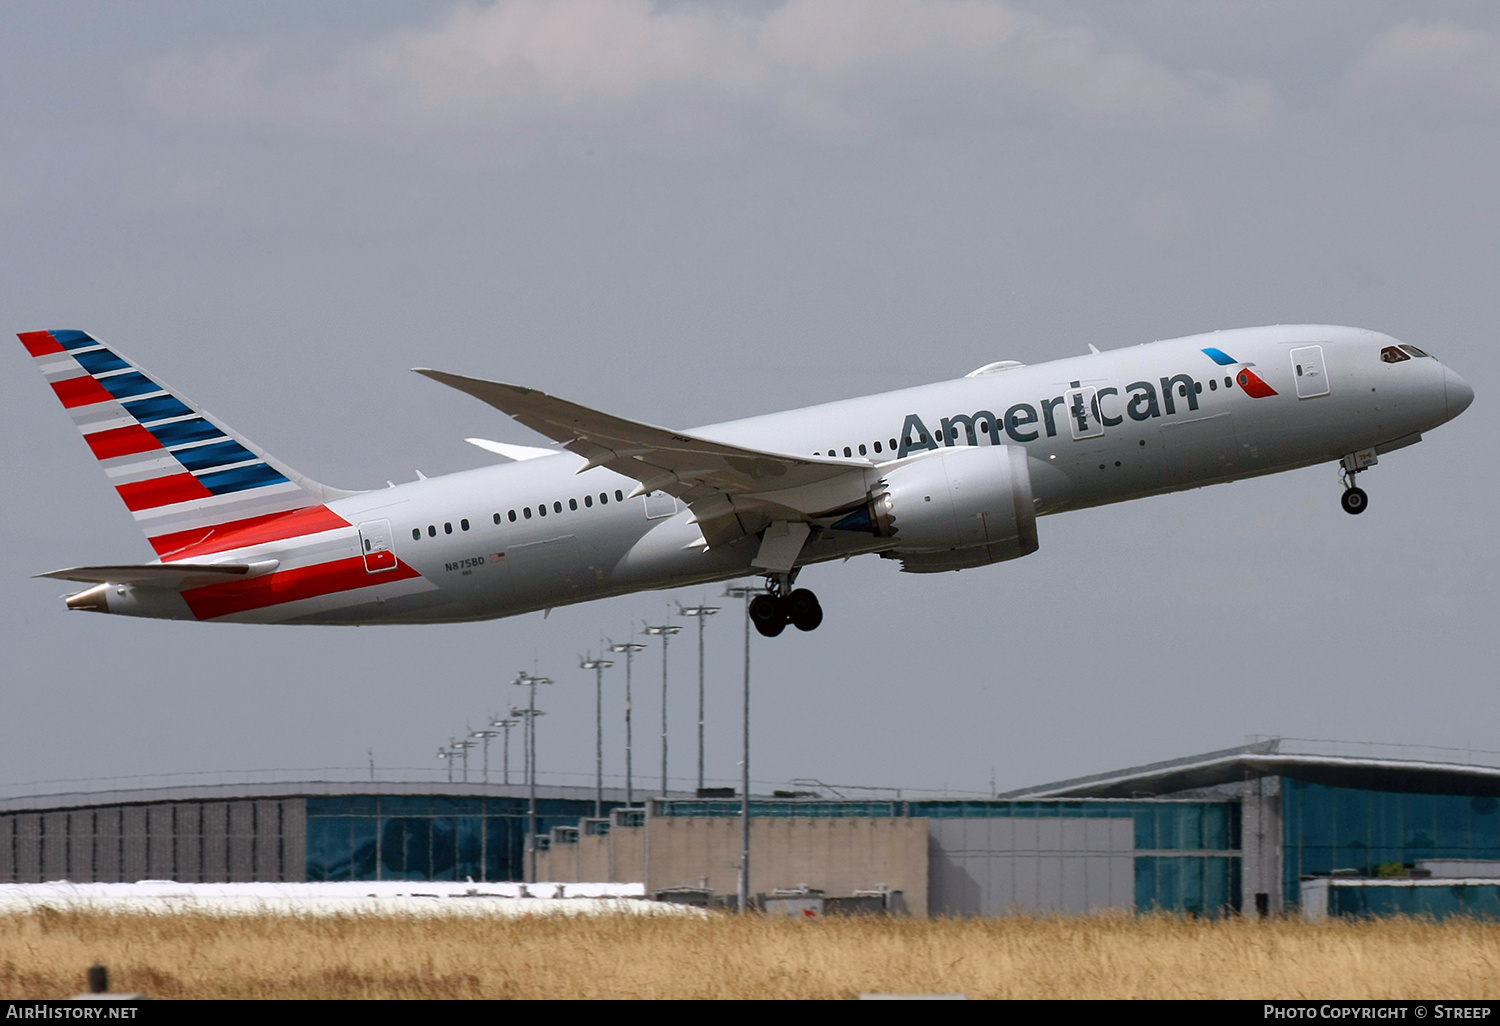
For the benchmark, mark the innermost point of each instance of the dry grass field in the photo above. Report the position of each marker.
(45, 954)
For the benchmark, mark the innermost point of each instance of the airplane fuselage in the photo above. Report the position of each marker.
(1095, 429)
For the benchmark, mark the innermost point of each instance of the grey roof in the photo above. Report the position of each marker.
(1271, 758)
(313, 788)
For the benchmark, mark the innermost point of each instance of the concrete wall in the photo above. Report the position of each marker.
(837, 856)
(988, 867)
(194, 842)
(1261, 843)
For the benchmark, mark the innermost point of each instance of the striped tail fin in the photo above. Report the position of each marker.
(183, 474)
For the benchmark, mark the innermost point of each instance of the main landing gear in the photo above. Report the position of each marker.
(781, 606)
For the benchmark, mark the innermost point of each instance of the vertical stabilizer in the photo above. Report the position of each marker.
(184, 476)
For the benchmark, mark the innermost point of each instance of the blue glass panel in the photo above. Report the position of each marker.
(330, 848)
(362, 840)
(1145, 882)
(469, 844)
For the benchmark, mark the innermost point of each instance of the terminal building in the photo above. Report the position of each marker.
(1265, 828)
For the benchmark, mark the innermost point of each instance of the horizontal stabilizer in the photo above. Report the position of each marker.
(165, 575)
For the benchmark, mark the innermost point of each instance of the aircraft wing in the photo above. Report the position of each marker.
(164, 575)
(732, 491)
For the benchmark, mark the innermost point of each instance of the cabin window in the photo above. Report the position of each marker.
(1213, 384)
(604, 498)
(497, 518)
(541, 509)
(511, 516)
(832, 452)
(1228, 382)
(847, 452)
(416, 534)
(557, 507)
(572, 503)
(447, 528)
(588, 500)
(432, 530)
(526, 512)
(464, 524)
(1198, 387)
(894, 446)
(1393, 354)
(877, 446)
(861, 449)
(619, 495)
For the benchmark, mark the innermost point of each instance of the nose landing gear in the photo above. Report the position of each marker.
(1354, 499)
(781, 606)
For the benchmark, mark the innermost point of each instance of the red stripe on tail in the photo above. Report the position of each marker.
(162, 491)
(237, 534)
(40, 343)
(121, 441)
(84, 391)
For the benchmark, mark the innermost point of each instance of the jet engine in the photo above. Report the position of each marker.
(953, 509)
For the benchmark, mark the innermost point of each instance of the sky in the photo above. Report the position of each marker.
(689, 212)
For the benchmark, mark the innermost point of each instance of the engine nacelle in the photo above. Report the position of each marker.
(957, 508)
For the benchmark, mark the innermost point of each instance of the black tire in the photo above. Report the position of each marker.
(804, 610)
(767, 615)
(1354, 501)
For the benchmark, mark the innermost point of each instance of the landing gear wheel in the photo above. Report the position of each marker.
(1354, 500)
(767, 614)
(803, 610)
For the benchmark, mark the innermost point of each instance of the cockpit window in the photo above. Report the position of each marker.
(1392, 354)
(1413, 350)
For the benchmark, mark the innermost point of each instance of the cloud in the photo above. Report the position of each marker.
(822, 67)
(1441, 64)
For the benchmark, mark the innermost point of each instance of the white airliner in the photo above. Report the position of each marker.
(944, 476)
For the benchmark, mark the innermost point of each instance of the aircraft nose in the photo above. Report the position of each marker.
(1459, 393)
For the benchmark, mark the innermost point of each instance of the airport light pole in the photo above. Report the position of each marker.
(485, 736)
(531, 712)
(447, 756)
(598, 666)
(665, 632)
(630, 648)
(461, 748)
(504, 724)
(746, 592)
(702, 613)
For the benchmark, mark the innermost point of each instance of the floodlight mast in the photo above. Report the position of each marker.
(630, 648)
(665, 632)
(531, 712)
(746, 592)
(598, 666)
(504, 724)
(485, 736)
(702, 613)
